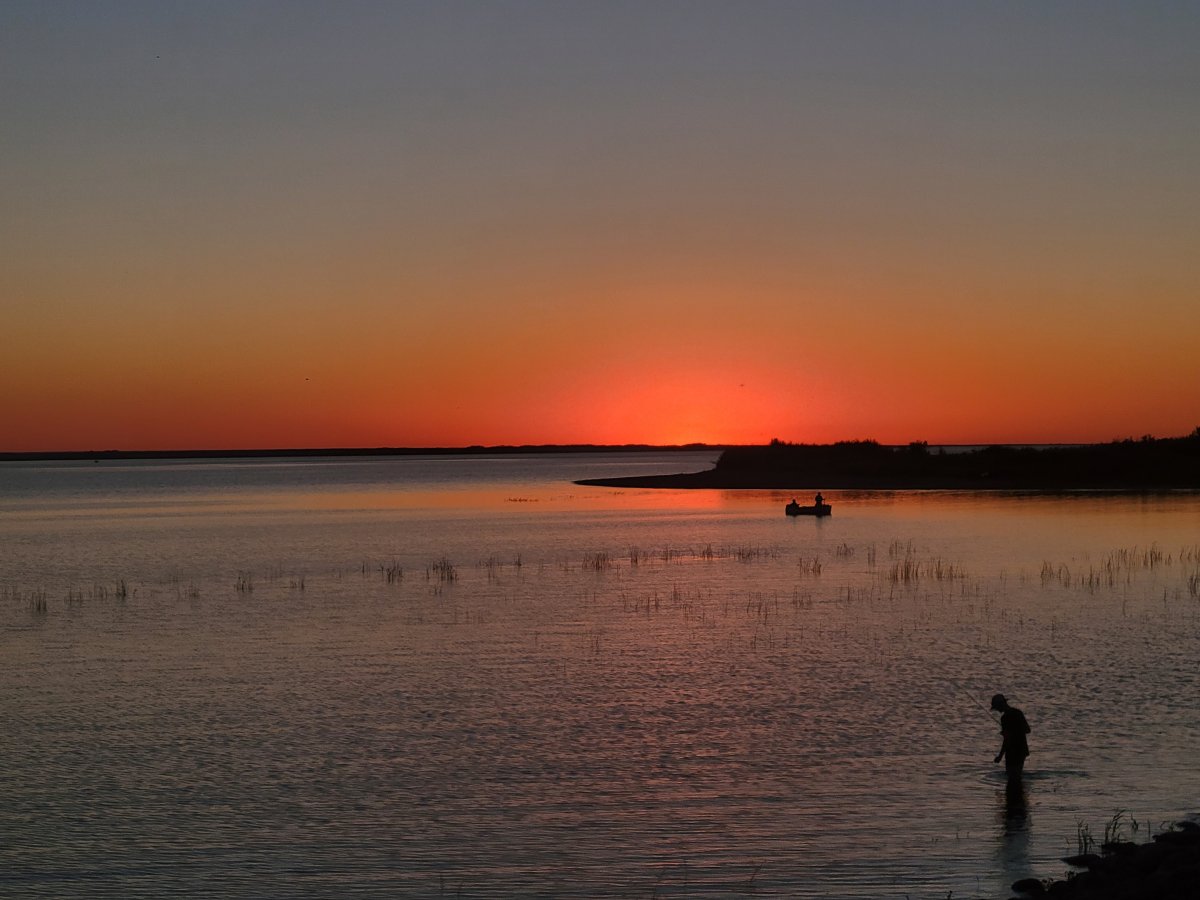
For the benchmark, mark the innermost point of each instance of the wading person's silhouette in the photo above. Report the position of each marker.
(1013, 729)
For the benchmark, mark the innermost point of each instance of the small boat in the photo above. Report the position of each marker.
(819, 508)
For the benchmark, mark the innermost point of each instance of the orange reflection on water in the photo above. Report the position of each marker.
(515, 497)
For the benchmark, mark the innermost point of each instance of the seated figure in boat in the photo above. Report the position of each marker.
(820, 508)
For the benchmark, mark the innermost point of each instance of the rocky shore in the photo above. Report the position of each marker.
(1167, 868)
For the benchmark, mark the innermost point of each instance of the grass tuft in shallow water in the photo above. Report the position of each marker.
(392, 574)
(598, 562)
(442, 571)
(1084, 842)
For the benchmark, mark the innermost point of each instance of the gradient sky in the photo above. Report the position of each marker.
(269, 224)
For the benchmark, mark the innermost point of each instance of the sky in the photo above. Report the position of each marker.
(294, 224)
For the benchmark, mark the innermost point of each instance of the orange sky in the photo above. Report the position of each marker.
(451, 224)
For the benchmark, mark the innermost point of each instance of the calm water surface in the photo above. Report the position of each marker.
(469, 677)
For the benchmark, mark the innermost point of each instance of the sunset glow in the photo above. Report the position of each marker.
(278, 225)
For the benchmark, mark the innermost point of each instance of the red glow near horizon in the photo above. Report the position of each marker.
(824, 232)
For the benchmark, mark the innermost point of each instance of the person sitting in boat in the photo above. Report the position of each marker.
(820, 501)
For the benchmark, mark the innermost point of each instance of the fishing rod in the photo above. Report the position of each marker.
(958, 684)
(978, 702)
(974, 699)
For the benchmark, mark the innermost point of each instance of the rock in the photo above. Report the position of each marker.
(1178, 838)
(1029, 886)
(1166, 868)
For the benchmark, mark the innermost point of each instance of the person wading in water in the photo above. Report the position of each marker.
(1013, 729)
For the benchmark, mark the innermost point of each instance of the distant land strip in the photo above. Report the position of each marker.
(473, 450)
(1145, 464)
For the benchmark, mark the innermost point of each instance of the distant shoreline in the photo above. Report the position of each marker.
(1147, 464)
(301, 452)
(472, 450)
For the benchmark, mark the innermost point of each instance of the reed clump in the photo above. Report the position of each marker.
(911, 570)
(1060, 573)
(491, 567)
(191, 592)
(598, 562)
(1115, 827)
(1119, 568)
(442, 571)
(1084, 841)
(750, 554)
(762, 606)
(38, 603)
(36, 600)
(643, 604)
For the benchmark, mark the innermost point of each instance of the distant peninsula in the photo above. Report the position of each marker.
(1145, 464)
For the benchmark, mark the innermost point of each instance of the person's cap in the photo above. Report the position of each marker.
(998, 701)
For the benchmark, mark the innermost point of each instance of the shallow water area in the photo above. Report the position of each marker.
(468, 676)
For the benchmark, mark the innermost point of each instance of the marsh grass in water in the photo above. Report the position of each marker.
(1119, 568)
(392, 573)
(586, 731)
(911, 570)
(626, 607)
(442, 571)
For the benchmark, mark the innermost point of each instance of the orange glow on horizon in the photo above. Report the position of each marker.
(838, 227)
(363, 401)
(689, 372)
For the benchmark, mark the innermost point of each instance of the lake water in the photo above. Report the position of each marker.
(469, 677)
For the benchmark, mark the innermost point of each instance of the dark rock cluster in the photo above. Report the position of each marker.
(1167, 868)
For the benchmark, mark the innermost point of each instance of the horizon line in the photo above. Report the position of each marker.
(471, 449)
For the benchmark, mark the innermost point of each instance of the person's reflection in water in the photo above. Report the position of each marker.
(1013, 831)
(1016, 806)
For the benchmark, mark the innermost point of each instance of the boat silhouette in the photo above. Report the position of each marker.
(819, 508)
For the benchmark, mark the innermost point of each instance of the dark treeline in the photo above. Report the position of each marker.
(1148, 463)
(1166, 462)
